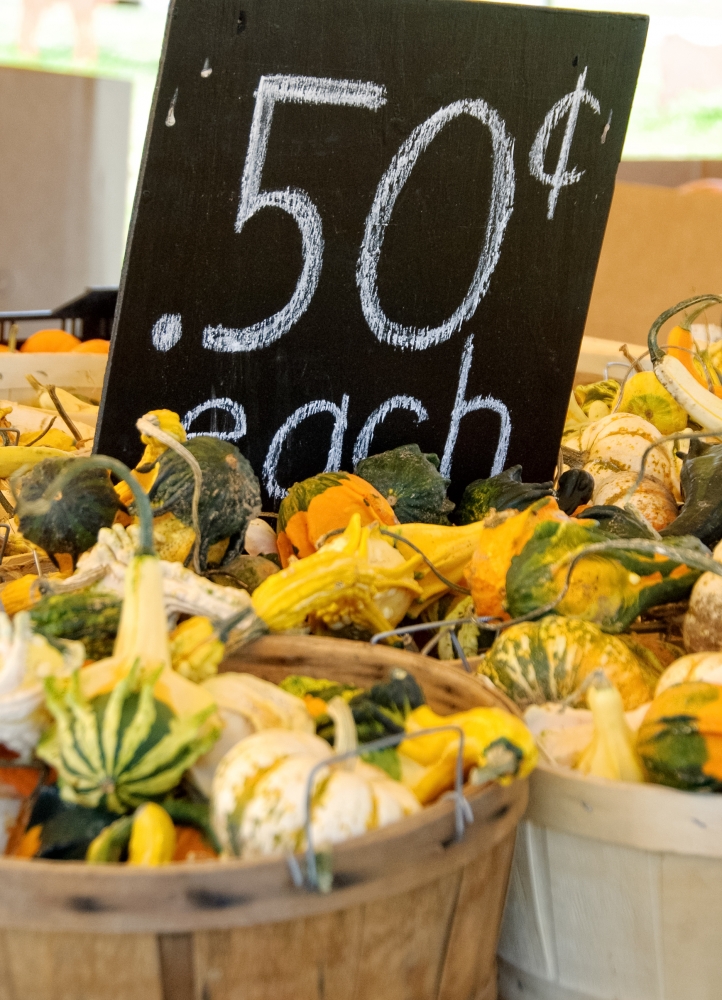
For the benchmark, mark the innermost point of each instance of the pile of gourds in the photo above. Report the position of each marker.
(154, 756)
(549, 591)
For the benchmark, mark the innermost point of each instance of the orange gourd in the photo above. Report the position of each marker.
(49, 342)
(92, 347)
(326, 503)
(681, 345)
(504, 536)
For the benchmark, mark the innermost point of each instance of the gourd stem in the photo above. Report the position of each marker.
(681, 436)
(655, 352)
(41, 506)
(148, 425)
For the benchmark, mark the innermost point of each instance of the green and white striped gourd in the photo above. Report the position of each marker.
(120, 748)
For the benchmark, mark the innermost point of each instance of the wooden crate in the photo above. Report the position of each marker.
(615, 893)
(413, 915)
(81, 372)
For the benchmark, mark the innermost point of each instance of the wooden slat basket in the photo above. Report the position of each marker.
(615, 893)
(413, 914)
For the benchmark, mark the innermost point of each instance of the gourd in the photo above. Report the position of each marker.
(25, 659)
(146, 471)
(705, 667)
(231, 494)
(152, 836)
(500, 539)
(356, 577)
(15, 459)
(617, 522)
(105, 566)
(702, 629)
(20, 594)
(246, 572)
(88, 616)
(449, 551)
(120, 749)
(575, 488)
(506, 491)
(77, 513)
(322, 504)
(548, 660)
(148, 836)
(604, 392)
(195, 649)
(259, 792)
(610, 587)
(645, 395)
(411, 483)
(612, 752)
(701, 479)
(680, 739)
(681, 381)
(616, 443)
(497, 746)
(246, 705)
(651, 499)
(467, 634)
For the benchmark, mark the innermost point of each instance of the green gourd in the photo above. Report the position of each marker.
(411, 482)
(72, 522)
(701, 481)
(537, 662)
(503, 492)
(230, 498)
(680, 739)
(122, 748)
(609, 588)
(89, 616)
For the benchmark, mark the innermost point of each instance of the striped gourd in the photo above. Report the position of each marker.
(537, 662)
(121, 748)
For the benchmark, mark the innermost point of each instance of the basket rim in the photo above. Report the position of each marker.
(223, 893)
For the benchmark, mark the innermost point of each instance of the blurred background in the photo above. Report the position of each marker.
(76, 85)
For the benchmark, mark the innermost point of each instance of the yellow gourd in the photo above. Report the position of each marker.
(612, 753)
(152, 837)
(496, 743)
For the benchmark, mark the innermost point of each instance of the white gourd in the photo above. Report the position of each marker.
(258, 800)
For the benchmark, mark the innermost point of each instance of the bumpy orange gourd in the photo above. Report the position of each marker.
(326, 503)
(504, 536)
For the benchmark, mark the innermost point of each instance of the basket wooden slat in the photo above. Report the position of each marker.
(413, 914)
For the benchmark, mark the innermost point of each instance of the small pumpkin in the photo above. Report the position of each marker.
(538, 662)
(503, 492)
(230, 498)
(324, 503)
(411, 482)
(610, 589)
(72, 521)
(680, 739)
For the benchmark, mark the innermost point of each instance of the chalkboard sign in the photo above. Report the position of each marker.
(364, 224)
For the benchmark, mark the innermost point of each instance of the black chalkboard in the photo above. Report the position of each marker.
(362, 223)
